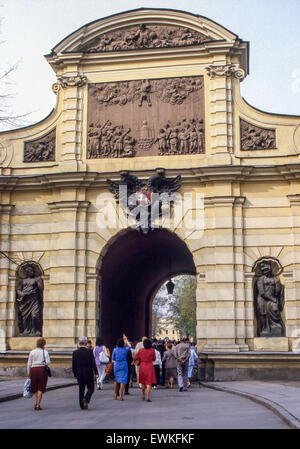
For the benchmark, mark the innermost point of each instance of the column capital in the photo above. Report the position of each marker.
(228, 70)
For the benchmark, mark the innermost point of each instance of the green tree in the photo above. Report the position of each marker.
(178, 308)
(184, 305)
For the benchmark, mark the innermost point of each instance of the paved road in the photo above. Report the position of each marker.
(199, 408)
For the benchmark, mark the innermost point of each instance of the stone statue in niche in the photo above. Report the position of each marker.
(268, 302)
(255, 138)
(42, 149)
(144, 36)
(29, 299)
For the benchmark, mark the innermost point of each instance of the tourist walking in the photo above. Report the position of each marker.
(169, 360)
(157, 367)
(37, 360)
(102, 355)
(161, 348)
(182, 353)
(192, 363)
(146, 357)
(139, 346)
(130, 365)
(119, 359)
(84, 369)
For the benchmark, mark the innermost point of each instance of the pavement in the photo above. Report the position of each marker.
(12, 388)
(281, 397)
(198, 408)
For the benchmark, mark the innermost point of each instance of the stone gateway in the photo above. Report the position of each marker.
(149, 119)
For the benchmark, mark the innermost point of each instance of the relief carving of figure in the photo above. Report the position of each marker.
(29, 299)
(143, 92)
(185, 137)
(268, 303)
(119, 142)
(162, 140)
(42, 149)
(144, 36)
(256, 138)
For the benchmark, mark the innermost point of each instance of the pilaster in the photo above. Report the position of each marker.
(70, 86)
(292, 277)
(222, 296)
(221, 76)
(67, 303)
(6, 304)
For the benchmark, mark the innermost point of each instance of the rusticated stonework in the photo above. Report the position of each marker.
(42, 149)
(146, 118)
(145, 36)
(256, 138)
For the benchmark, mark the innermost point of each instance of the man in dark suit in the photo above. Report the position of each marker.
(84, 368)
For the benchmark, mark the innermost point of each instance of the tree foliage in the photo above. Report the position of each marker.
(185, 309)
(179, 308)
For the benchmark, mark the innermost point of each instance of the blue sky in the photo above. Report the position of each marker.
(30, 28)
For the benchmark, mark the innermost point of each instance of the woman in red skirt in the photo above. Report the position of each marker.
(147, 377)
(37, 360)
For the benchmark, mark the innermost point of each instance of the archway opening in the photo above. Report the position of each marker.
(132, 270)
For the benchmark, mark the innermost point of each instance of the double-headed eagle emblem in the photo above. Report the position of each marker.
(142, 201)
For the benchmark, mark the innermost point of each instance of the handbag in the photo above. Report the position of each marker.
(109, 368)
(46, 367)
(26, 390)
(103, 357)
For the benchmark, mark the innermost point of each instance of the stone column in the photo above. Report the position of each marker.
(7, 325)
(222, 295)
(66, 310)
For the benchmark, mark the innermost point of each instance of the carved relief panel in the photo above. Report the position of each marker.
(256, 138)
(144, 36)
(42, 149)
(146, 118)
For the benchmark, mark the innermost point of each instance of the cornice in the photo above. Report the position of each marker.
(61, 60)
(212, 174)
(294, 199)
(58, 206)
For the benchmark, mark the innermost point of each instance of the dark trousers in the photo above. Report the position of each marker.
(85, 383)
(163, 374)
(157, 374)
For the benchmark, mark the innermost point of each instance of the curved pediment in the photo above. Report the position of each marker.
(144, 28)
